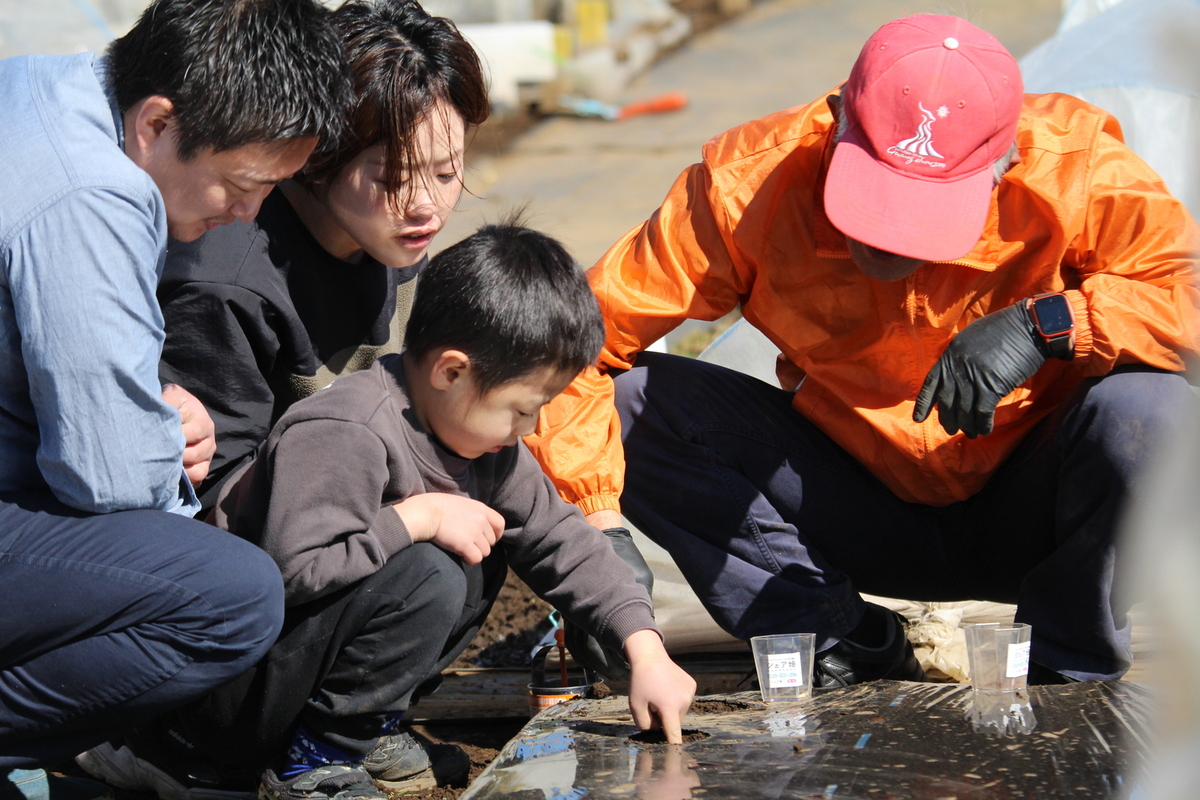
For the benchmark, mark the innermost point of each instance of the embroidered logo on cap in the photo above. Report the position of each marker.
(920, 147)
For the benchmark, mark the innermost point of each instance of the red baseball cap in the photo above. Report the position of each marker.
(931, 104)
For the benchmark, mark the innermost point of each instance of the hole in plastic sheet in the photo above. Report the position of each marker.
(656, 737)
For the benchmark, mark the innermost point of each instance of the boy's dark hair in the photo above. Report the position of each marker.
(238, 72)
(513, 300)
(403, 61)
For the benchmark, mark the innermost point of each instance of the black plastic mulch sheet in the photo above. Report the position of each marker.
(880, 740)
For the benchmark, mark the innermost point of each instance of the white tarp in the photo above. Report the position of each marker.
(1138, 60)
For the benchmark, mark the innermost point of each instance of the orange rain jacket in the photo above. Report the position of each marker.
(745, 227)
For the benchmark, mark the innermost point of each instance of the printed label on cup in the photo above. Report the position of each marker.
(1018, 660)
(783, 669)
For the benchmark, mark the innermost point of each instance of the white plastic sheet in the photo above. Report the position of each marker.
(1137, 59)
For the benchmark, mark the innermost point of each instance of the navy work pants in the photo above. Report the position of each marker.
(778, 529)
(110, 619)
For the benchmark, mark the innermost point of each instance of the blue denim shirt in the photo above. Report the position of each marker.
(83, 232)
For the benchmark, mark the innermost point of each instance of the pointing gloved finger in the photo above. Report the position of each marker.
(925, 396)
(947, 406)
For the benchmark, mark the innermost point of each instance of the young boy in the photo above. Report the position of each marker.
(393, 498)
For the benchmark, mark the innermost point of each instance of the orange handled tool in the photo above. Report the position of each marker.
(671, 101)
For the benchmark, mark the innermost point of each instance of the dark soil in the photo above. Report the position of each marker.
(656, 737)
(719, 706)
(599, 691)
(518, 621)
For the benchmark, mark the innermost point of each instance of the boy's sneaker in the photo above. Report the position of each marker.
(35, 784)
(404, 761)
(888, 657)
(338, 782)
(153, 761)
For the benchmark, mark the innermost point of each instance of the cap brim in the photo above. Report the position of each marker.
(926, 219)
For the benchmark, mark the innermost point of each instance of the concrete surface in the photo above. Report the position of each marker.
(588, 181)
(63, 26)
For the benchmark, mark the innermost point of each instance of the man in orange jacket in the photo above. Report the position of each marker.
(982, 301)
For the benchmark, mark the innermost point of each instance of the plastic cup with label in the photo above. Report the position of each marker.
(784, 663)
(998, 656)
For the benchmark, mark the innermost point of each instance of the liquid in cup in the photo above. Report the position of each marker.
(998, 656)
(784, 663)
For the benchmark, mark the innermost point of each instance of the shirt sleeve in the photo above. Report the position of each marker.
(1137, 301)
(82, 276)
(566, 561)
(221, 348)
(678, 265)
(326, 524)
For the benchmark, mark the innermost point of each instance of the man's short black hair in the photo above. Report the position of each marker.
(238, 72)
(513, 300)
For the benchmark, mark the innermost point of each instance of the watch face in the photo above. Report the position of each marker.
(1053, 314)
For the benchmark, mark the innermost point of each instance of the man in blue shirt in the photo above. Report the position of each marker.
(114, 609)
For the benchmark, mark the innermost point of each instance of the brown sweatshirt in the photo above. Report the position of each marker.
(318, 498)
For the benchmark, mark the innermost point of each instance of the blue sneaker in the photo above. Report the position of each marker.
(35, 784)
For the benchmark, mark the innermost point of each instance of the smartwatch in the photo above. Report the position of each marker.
(1054, 324)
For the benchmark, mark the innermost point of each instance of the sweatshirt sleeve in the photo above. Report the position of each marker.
(566, 561)
(1137, 301)
(678, 265)
(325, 525)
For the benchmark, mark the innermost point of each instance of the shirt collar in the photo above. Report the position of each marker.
(100, 67)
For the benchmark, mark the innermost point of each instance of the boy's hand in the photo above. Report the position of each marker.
(199, 432)
(454, 523)
(660, 693)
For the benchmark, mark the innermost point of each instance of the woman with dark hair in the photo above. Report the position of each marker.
(262, 313)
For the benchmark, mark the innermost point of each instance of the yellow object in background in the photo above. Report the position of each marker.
(563, 45)
(591, 19)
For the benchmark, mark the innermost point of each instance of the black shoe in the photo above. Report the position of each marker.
(1044, 676)
(404, 761)
(889, 656)
(154, 758)
(339, 782)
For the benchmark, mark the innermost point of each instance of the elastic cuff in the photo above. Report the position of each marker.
(389, 529)
(626, 621)
(599, 502)
(1083, 323)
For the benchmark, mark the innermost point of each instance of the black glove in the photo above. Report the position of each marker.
(988, 359)
(585, 648)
